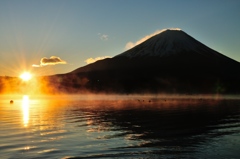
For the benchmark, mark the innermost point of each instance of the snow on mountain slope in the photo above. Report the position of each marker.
(170, 42)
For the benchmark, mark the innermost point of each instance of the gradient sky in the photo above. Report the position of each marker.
(76, 30)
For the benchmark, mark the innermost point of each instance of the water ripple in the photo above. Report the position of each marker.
(162, 128)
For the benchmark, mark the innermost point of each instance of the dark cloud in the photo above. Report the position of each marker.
(53, 60)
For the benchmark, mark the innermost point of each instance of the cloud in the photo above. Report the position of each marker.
(130, 44)
(92, 60)
(53, 60)
(103, 36)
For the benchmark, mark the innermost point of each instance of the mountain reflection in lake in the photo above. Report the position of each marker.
(120, 127)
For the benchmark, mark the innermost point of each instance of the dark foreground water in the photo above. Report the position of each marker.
(120, 127)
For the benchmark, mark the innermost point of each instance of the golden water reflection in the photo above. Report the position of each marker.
(25, 110)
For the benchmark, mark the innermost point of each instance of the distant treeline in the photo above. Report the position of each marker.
(110, 82)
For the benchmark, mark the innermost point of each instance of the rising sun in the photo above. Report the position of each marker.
(26, 76)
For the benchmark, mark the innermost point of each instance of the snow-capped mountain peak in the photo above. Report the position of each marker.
(168, 42)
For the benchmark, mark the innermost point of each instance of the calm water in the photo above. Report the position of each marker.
(119, 127)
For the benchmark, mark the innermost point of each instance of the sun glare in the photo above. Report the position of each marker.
(25, 109)
(26, 76)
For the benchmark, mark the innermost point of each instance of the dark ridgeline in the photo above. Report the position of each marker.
(170, 62)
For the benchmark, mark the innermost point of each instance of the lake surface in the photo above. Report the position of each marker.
(113, 126)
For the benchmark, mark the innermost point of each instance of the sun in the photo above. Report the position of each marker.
(26, 76)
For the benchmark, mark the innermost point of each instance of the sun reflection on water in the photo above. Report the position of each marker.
(25, 109)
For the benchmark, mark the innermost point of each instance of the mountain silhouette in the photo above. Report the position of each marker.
(169, 62)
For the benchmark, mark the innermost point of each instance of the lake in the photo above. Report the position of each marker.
(120, 126)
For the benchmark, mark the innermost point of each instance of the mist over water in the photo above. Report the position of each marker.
(120, 126)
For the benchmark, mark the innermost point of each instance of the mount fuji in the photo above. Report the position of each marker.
(171, 61)
(169, 42)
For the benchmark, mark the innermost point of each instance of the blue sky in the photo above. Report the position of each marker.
(76, 30)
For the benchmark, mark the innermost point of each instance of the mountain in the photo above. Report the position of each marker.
(170, 62)
(170, 42)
